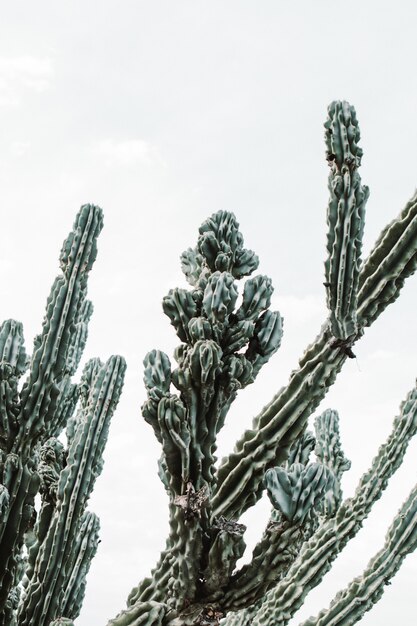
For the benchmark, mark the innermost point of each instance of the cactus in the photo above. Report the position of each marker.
(227, 334)
(62, 538)
(225, 341)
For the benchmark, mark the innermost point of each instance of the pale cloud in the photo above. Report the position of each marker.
(20, 74)
(127, 152)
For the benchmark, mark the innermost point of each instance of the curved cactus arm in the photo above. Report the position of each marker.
(62, 621)
(284, 418)
(318, 553)
(365, 590)
(345, 218)
(45, 593)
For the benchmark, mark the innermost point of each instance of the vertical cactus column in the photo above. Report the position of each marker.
(57, 581)
(345, 217)
(30, 418)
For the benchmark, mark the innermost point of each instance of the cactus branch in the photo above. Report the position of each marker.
(380, 280)
(363, 592)
(318, 553)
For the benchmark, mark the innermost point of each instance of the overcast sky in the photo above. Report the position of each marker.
(162, 113)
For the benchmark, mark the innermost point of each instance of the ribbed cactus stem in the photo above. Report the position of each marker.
(329, 452)
(212, 366)
(13, 364)
(270, 560)
(48, 397)
(240, 475)
(84, 548)
(345, 218)
(60, 339)
(12, 349)
(392, 260)
(318, 553)
(349, 605)
(47, 591)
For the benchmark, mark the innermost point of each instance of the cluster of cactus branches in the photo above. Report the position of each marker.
(45, 555)
(227, 335)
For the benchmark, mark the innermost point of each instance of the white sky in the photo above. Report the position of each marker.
(162, 113)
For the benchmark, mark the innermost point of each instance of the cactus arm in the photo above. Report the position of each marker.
(392, 260)
(13, 364)
(329, 452)
(319, 552)
(51, 463)
(345, 217)
(58, 347)
(84, 550)
(46, 590)
(271, 558)
(279, 423)
(349, 605)
(239, 478)
(356, 297)
(47, 397)
(283, 538)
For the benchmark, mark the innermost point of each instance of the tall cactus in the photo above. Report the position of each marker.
(225, 340)
(63, 540)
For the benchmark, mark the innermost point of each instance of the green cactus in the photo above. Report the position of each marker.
(64, 538)
(226, 339)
